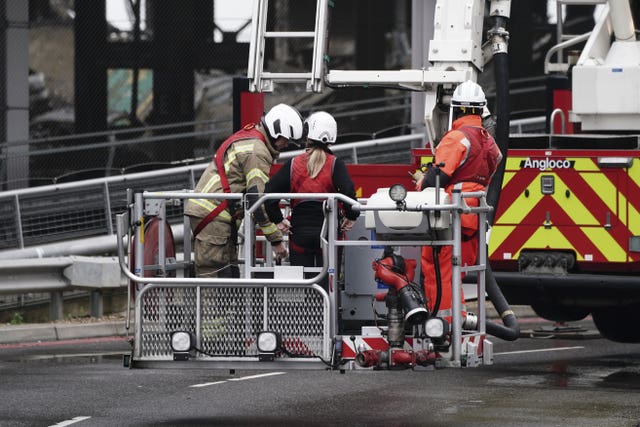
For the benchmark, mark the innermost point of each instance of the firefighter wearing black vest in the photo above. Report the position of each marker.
(240, 165)
(316, 170)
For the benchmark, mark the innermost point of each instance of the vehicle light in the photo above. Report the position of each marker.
(269, 343)
(436, 328)
(470, 322)
(397, 193)
(182, 342)
(547, 185)
(615, 162)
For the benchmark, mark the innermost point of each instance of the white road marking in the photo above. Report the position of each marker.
(207, 384)
(539, 350)
(250, 377)
(69, 422)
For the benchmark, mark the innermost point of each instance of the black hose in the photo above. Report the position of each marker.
(436, 266)
(510, 330)
(501, 61)
(435, 250)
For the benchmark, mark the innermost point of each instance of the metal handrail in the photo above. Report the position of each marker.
(193, 171)
(561, 66)
(44, 189)
(109, 134)
(555, 113)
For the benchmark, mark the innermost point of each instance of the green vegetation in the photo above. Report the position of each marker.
(17, 318)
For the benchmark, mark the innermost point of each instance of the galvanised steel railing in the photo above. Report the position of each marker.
(54, 213)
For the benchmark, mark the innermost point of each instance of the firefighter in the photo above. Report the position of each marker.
(466, 158)
(241, 165)
(316, 170)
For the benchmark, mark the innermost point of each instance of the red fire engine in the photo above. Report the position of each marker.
(565, 235)
(566, 231)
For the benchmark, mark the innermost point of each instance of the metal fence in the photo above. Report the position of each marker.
(78, 217)
(53, 213)
(48, 214)
(85, 156)
(74, 157)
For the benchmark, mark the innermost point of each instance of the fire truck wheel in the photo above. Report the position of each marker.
(559, 313)
(618, 323)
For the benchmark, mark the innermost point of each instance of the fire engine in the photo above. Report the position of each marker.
(277, 316)
(564, 235)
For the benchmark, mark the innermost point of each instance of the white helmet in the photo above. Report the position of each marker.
(322, 127)
(468, 94)
(283, 120)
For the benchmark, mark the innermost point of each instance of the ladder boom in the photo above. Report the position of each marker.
(263, 81)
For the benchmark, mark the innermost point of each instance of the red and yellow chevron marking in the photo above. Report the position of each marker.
(593, 211)
(633, 213)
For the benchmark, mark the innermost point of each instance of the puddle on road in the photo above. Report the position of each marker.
(72, 358)
(610, 374)
(622, 379)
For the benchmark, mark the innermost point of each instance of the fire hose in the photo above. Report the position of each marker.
(510, 330)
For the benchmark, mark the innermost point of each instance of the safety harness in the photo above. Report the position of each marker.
(476, 168)
(247, 132)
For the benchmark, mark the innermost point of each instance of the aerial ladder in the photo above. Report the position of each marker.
(286, 319)
(456, 54)
(261, 80)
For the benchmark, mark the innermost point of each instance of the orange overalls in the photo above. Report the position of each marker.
(470, 156)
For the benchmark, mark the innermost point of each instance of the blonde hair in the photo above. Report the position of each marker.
(316, 160)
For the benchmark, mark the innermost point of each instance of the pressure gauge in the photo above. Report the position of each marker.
(397, 193)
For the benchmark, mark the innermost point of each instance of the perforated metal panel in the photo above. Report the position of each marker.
(226, 320)
(165, 310)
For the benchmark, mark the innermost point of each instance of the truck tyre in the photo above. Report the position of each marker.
(558, 312)
(618, 323)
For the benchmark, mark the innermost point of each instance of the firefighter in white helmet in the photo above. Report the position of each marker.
(241, 165)
(316, 170)
(466, 158)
